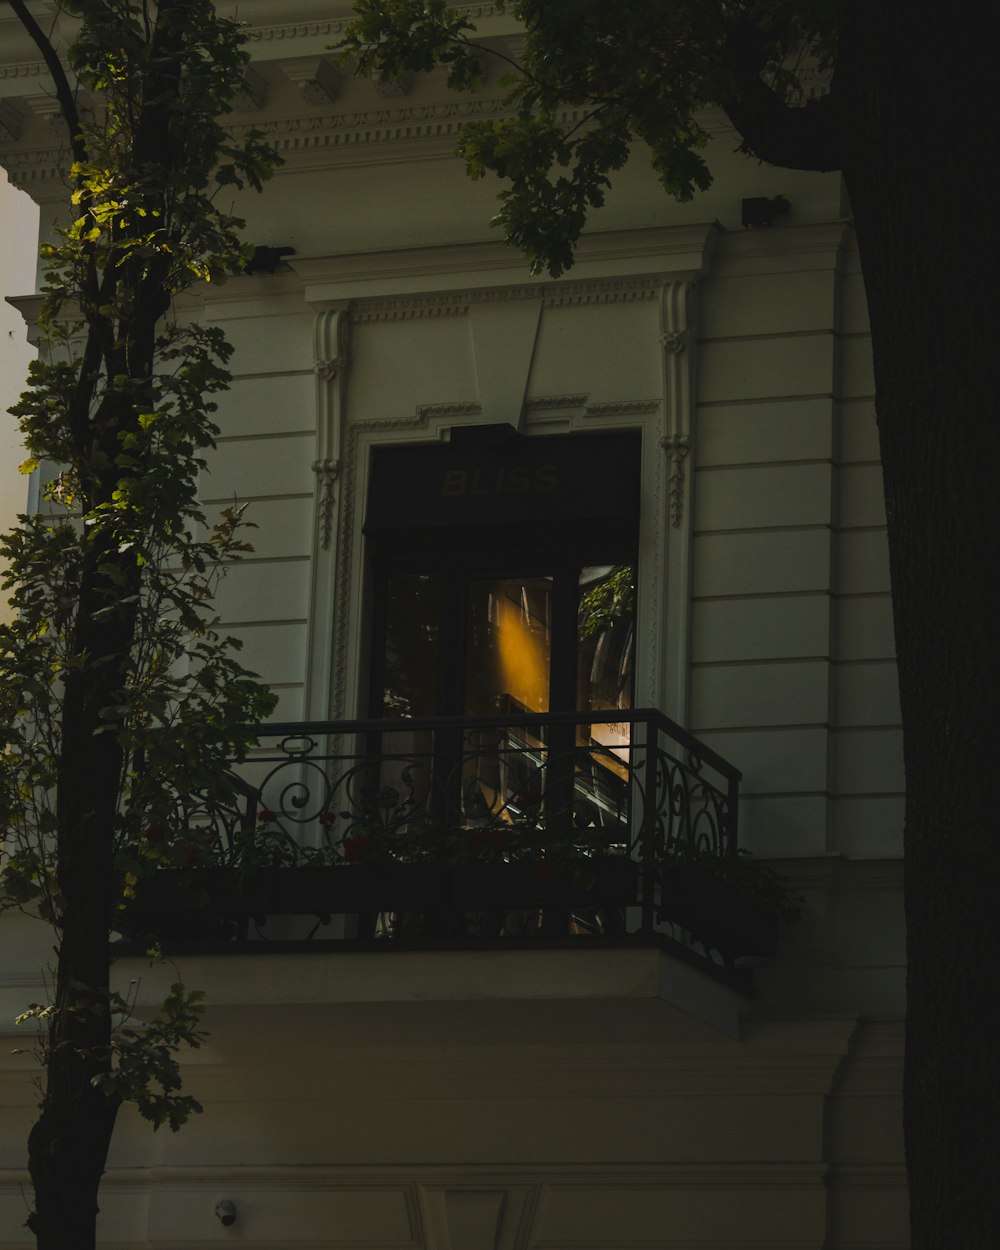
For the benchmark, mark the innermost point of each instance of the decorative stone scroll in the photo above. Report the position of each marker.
(330, 368)
(676, 447)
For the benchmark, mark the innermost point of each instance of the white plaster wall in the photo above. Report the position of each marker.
(18, 232)
(393, 1112)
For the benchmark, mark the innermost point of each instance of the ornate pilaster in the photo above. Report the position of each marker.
(676, 446)
(330, 357)
(676, 307)
(672, 594)
(330, 368)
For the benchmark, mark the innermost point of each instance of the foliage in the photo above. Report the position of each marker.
(390, 831)
(118, 695)
(592, 79)
(611, 599)
(759, 883)
(146, 1070)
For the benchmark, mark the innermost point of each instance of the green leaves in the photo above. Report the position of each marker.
(146, 1071)
(593, 79)
(113, 641)
(392, 37)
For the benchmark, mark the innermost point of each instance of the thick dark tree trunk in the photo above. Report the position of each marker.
(917, 99)
(68, 1145)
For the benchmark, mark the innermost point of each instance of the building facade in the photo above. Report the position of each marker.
(439, 448)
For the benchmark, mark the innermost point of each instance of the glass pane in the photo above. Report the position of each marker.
(412, 645)
(509, 642)
(508, 653)
(606, 633)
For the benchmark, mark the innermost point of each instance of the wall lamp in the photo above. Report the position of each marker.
(267, 259)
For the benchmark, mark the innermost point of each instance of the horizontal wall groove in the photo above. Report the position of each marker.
(226, 500)
(269, 436)
(263, 624)
(277, 373)
(820, 593)
(770, 400)
(863, 796)
(773, 336)
(737, 465)
(256, 560)
(777, 727)
(768, 529)
(765, 661)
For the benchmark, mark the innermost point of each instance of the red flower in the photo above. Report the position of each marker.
(265, 816)
(543, 868)
(354, 847)
(193, 852)
(327, 818)
(155, 833)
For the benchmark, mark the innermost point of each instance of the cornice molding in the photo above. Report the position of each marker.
(550, 403)
(347, 133)
(328, 28)
(405, 308)
(614, 265)
(23, 69)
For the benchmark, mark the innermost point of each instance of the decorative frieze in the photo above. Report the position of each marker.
(623, 408)
(333, 27)
(408, 308)
(23, 69)
(544, 403)
(400, 124)
(456, 303)
(427, 412)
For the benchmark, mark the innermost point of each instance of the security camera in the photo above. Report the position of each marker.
(226, 1211)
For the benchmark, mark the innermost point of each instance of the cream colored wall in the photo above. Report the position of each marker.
(18, 230)
(792, 660)
(393, 1100)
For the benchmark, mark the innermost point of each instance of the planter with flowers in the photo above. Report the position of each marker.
(731, 905)
(433, 879)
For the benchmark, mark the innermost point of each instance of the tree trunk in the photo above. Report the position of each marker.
(916, 95)
(69, 1144)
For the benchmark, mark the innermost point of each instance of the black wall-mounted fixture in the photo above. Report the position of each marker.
(760, 211)
(225, 1209)
(267, 259)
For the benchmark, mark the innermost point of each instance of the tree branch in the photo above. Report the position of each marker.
(793, 138)
(64, 93)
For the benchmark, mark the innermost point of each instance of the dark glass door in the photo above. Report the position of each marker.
(462, 644)
(458, 643)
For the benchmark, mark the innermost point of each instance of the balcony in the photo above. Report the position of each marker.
(563, 829)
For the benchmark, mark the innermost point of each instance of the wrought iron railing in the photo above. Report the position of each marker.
(448, 827)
